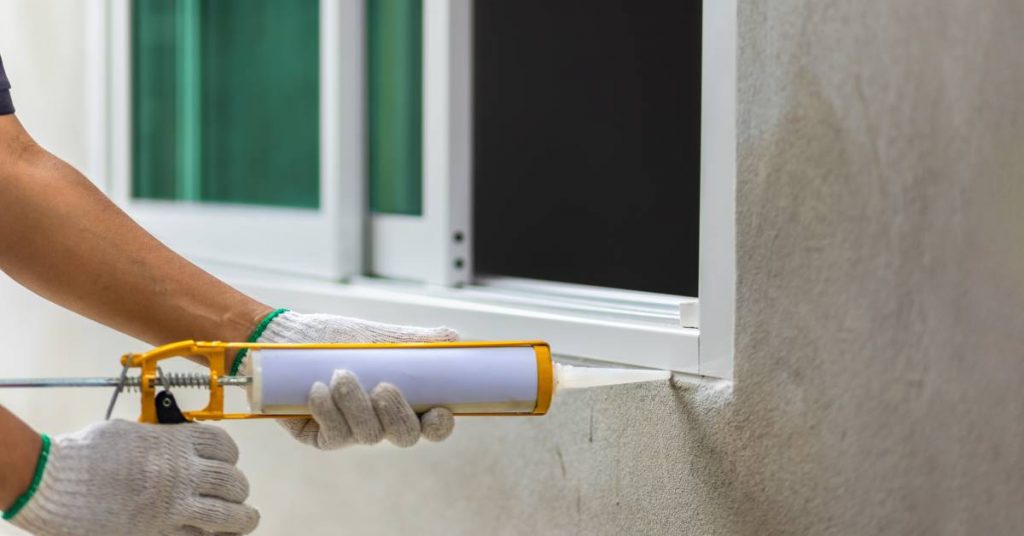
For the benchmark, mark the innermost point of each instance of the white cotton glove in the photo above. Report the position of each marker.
(343, 412)
(119, 477)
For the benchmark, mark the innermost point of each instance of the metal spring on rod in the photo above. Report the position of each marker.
(196, 380)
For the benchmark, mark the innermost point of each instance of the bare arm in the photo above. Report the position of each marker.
(63, 239)
(19, 450)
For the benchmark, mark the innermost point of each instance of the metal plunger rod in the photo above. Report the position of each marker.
(224, 381)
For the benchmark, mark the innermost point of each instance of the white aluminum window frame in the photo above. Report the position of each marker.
(717, 271)
(324, 243)
(436, 246)
(424, 248)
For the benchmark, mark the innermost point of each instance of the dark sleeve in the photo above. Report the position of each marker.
(6, 105)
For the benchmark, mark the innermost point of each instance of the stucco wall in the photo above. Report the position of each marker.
(879, 347)
(881, 268)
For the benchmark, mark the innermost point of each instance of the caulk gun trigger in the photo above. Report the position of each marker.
(167, 410)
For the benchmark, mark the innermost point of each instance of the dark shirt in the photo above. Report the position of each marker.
(6, 105)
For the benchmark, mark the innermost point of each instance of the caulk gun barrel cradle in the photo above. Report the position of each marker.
(285, 372)
(467, 378)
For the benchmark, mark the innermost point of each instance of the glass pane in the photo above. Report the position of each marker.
(153, 113)
(395, 61)
(226, 101)
(586, 142)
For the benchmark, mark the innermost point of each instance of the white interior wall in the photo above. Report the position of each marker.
(43, 46)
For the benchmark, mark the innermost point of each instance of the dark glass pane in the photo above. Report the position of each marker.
(587, 142)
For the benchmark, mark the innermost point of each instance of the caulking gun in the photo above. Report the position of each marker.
(468, 378)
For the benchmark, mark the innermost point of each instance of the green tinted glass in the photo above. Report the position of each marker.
(226, 101)
(395, 52)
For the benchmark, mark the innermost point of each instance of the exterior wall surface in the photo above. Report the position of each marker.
(880, 334)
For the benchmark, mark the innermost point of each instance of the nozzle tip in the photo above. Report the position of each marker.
(572, 377)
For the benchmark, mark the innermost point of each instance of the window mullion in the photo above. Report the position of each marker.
(435, 245)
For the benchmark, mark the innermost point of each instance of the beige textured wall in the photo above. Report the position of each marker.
(880, 346)
(881, 267)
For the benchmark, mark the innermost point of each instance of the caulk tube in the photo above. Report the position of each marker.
(513, 378)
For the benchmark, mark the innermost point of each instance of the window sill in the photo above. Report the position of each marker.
(572, 332)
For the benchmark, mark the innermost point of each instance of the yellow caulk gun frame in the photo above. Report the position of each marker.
(216, 356)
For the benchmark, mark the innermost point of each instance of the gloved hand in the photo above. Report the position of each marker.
(343, 413)
(119, 477)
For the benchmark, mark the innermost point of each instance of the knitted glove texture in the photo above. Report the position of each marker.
(343, 412)
(119, 478)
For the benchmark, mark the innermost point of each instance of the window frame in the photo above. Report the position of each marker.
(701, 343)
(422, 247)
(436, 246)
(716, 286)
(323, 243)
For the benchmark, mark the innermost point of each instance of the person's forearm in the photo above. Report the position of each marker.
(66, 241)
(19, 452)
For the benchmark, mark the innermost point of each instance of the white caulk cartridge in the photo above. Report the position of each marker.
(468, 378)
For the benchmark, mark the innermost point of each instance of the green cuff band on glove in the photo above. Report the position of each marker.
(44, 454)
(256, 334)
